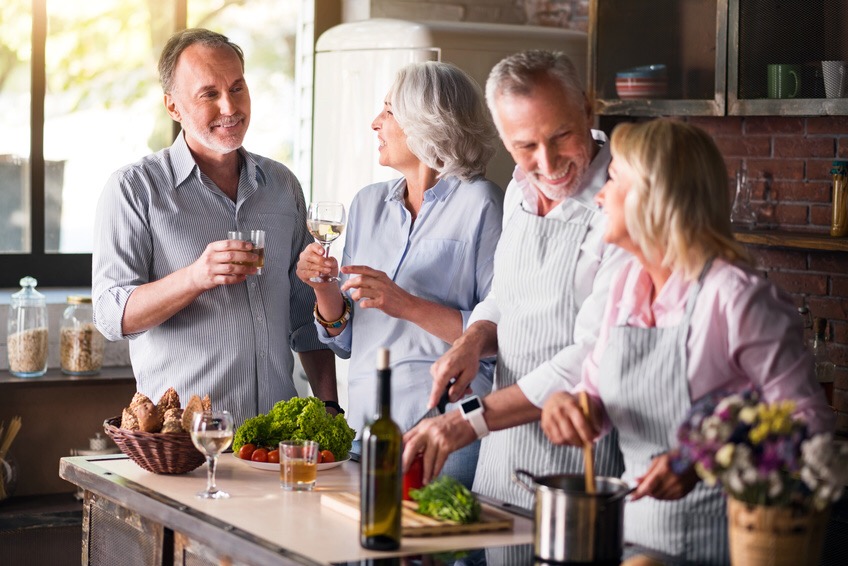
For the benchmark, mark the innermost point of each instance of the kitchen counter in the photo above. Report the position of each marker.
(259, 524)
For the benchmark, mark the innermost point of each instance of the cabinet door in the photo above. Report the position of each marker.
(797, 35)
(631, 41)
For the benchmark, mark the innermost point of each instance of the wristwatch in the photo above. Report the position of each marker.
(472, 411)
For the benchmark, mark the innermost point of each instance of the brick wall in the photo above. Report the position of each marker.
(788, 161)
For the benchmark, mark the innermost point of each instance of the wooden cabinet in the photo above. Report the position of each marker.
(716, 53)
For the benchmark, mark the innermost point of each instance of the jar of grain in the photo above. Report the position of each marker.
(26, 338)
(80, 343)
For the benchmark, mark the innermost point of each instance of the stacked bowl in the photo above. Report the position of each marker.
(649, 81)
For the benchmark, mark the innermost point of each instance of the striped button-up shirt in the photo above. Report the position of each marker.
(233, 342)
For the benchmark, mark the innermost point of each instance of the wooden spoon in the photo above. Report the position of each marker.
(588, 457)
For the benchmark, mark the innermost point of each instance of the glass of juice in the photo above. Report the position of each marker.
(298, 464)
(255, 237)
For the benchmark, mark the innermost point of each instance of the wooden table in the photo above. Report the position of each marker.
(126, 506)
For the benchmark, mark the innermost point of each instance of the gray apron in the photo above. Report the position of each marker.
(642, 380)
(535, 266)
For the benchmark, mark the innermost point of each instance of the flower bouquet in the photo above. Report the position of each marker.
(780, 480)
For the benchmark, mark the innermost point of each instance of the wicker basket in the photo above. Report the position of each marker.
(774, 536)
(156, 452)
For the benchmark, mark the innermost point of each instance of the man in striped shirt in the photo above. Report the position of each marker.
(551, 281)
(199, 317)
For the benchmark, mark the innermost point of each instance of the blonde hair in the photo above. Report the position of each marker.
(679, 204)
(444, 117)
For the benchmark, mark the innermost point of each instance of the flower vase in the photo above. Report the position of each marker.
(774, 536)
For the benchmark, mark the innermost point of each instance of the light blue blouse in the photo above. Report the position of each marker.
(445, 256)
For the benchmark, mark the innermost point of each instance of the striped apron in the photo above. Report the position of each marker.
(535, 266)
(644, 386)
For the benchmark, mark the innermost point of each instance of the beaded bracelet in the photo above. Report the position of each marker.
(336, 323)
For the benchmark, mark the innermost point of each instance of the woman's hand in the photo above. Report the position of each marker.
(373, 289)
(563, 421)
(660, 482)
(312, 263)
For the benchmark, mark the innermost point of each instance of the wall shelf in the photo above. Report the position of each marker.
(794, 240)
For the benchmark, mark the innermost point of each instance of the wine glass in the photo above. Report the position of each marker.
(325, 221)
(212, 433)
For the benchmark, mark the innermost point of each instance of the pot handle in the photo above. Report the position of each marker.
(516, 477)
(619, 495)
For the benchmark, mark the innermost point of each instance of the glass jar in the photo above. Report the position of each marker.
(8, 476)
(81, 344)
(26, 338)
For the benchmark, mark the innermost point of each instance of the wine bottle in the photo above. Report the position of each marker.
(380, 488)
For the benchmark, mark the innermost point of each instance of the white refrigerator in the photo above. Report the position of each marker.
(355, 65)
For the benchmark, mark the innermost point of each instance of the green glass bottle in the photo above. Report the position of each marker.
(381, 478)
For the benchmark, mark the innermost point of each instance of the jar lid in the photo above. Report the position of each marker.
(79, 300)
(28, 296)
(839, 168)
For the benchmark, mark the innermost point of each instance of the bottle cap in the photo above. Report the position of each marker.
(839, 167)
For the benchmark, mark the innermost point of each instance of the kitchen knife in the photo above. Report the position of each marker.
(439, 409)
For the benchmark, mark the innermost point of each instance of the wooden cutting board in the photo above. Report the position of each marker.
(414, 524)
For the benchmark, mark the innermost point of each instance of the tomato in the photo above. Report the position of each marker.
(260, 455)
(274, 457)
(326, 457)
(246, 451)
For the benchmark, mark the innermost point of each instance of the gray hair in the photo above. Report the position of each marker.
(180, 41)
(444, 118)
(518, 74)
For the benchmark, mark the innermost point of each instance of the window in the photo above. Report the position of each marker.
(81, 98)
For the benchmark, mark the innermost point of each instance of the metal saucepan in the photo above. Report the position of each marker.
(572, 525)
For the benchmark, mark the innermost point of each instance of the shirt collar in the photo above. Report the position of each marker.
(440, 191)
(593, 179)
(184, 165)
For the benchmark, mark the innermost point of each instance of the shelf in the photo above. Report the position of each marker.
(795, 240)
(54, 376)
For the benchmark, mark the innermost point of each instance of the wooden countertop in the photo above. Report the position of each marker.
(259, 517)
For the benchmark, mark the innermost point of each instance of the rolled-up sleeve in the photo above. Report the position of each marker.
(121, 253)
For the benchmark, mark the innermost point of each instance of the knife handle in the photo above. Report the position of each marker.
(443, 400)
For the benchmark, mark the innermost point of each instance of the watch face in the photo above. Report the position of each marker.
(471, 404)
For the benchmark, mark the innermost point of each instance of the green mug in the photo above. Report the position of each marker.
(784, 80)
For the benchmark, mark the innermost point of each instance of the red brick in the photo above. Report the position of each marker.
(773, 125)
(838, 354)
(831, 262)
(827, 125)
(832, 308)
(748, 146)
(718, 126)
(839, 288)
(840, 401)
(800, 191)
(821, 215)
(796, 146)
(791, 214)
(819, 170)
(840, 379)
(775, 169)
(840, 334)
(842, 148)
(771, 258)
(803, 283)
(759, 188)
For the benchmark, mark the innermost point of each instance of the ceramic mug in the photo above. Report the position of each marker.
(784, 80)
(835, 74)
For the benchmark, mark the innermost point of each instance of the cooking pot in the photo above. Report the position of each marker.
(572, 525)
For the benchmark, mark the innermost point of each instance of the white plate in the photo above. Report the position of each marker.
(275, 467)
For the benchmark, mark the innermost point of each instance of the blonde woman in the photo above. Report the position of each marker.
(686, 317)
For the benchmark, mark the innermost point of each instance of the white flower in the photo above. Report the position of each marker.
(734, 481)
(775, 484)
(724, 456)
(748, 414)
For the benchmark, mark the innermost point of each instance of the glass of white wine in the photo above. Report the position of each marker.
(325, 221)
(212, 433)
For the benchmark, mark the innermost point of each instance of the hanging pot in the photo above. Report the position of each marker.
(572, 525)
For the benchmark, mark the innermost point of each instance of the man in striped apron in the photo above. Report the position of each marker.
(551, 280)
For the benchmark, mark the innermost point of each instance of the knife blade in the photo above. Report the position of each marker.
(439, 409)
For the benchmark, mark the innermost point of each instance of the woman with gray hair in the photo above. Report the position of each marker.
(419, 249)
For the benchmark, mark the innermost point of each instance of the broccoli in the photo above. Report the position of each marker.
(446, 498)
(300, 418)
